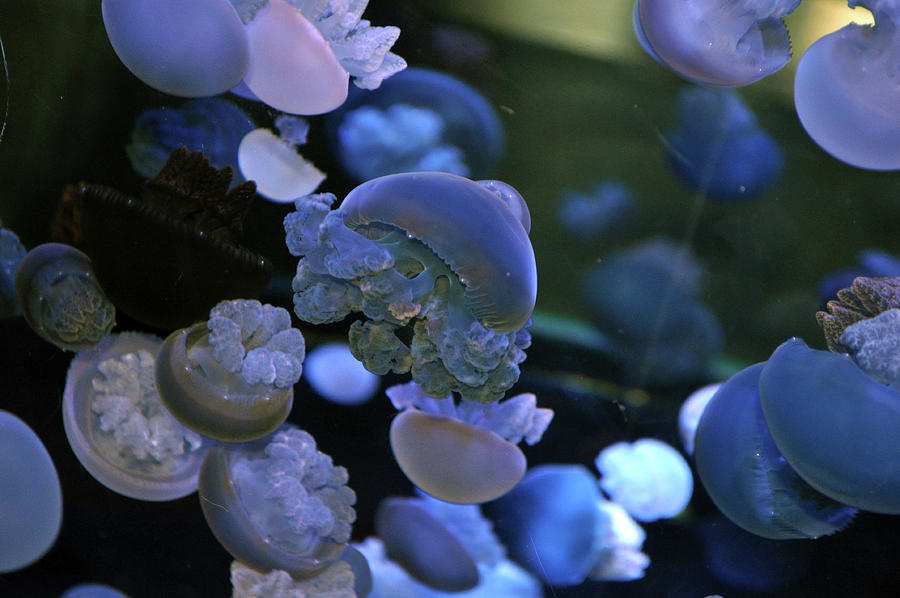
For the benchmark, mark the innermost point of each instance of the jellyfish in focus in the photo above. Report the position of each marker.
(210, 125)
(12, 252)
(336, 581)
(463, 452)
(169, 255)
(556, 524)
(277, 503)
(847, 89)
(190, 49)
(30, 496)
(335, 375)
(231, 377)
(607, 209)
(718, 148)
(648, 478)
(716, 42)
(432, 256)
(418, 120)
(59, 296)
(120, 430)
(303, 53)
(870, 263)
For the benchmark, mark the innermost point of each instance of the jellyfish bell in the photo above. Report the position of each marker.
(280, 173)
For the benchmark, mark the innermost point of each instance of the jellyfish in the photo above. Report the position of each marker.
(336, 581)
(418, 120)
(60, 298)
(231, 377)
(92, 590)
(648, 478)
(303, 53)
(12, 252)
(119, 428)
(335, 375)
(463, 452)
(277, 503)
(30, 496)
(169, 255)
(712, 42)
(847, 89)
(210, 125)
(190, 49)
(607, 209)
(690, 413)
(718, 148)
(281, 174)
(870, 263)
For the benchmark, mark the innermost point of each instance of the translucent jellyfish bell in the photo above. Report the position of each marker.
(335, 375)
(12, 252)
(190, 49)
(716, 42)
(280, 173)
(847, 90)
(118, 427)
(30, 496)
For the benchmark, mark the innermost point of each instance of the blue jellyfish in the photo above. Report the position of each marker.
(92, 590)
(119, 428)
(210, 125)
(846, 90)
(718, 148)
(437, 259)
(871, 263)
(12, 252)
(303, 53)
(60, 298)
(277, 503)
(163, 44)
(418, 120)
(335, 375)
(30, 496)
(716, 42)
(690, 413)
(606, 210)
(231, 377)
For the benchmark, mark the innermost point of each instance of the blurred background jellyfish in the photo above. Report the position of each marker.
(847, 90)
(463, 452)
(718, 148)
(607, 209)
(712, 42)
(278, 503)
(302, 54)
(870, 263)
(648, 478)
(169, 255)
(690, 413)
(190, 49)
(557, 525)
(213, 126)
(336, 376)
(281, 174)
(119, 428)
(432, 256)
(418, 120)
(30, 496)
(647, 298)
(60, 299)
(231, 377)
(92, 590)
(12, 252)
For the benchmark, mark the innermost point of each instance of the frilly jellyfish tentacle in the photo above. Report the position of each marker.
(745, 474)
(835, 425)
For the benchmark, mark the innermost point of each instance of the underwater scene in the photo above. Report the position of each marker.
(433, 298)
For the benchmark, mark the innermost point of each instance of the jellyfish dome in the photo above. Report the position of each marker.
(335, 375)
(12, 252)
(847, 90)
(280, 173)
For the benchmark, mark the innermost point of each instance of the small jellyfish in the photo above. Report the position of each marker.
(278, 503)
(281, 174)
(690, 413)
(210, 125)
(716, 42)
(335, 375)
(119, 428)
(231, 377)
(463, 452)
(30, 496)
(92, 590)
(847, 90)
(60, 298)
(418, 120)
(303, 53)
(607, 209)
(12, 252)
(718, 148)
(169, 255)
(440, 257)
(191, 49)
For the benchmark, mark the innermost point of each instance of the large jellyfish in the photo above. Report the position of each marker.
(442, 267)
(847, 90)
(716, 42)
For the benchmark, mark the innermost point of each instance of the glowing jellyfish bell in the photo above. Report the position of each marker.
(333, 372)
(280, 173)
(847, 90)
(712, 42)
(191, 49)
